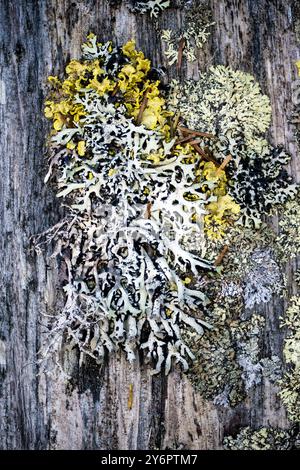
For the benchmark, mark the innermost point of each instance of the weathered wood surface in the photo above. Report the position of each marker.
(38, 412)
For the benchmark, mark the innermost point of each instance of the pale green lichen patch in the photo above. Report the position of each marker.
(289, 229)
(227, 103)
(290, 394)
(227, 359)
(250, 270)
(290, 384)
(260, 439)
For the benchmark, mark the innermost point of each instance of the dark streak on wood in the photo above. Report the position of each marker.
(180, 53)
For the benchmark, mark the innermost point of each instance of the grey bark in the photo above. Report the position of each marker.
(39, 412)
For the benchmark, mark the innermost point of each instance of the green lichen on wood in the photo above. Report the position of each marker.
(230, 105)
(250, 271)
(116, 145)
(289, 230)
(260, 439)
(290, 384)
(196, 29)
(229, 360)
(134, 194)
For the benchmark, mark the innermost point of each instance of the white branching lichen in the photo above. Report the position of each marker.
(134, 196)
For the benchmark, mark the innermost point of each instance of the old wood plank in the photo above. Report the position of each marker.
(37, 38)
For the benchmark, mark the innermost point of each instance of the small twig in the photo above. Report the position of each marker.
(115, 90)
(148, 211)
(204, 155)
(142, 108)
(224, 163)
(180, 53)
(185, 139)
(221, 256)
(200, 151)
(195, 142)
(185, 130)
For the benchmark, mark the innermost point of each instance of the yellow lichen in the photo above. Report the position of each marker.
(81, 148)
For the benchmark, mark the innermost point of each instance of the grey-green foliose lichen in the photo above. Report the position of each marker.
(260, 439)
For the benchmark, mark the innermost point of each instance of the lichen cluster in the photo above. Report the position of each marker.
(134, 194)
(164, 245)
(290, 384)
(193, 34)
(230, 105)
(250, 273)
(227, 359)
(260, 439)
(289, 229)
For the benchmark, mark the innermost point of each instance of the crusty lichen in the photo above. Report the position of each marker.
(290, 394)
(250, 270)
(227, 359)
(263, 279)
(288, 239)
(260, 439)
(290, 384)
(216, 373)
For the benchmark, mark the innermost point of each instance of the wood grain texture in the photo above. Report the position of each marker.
(91, 412)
